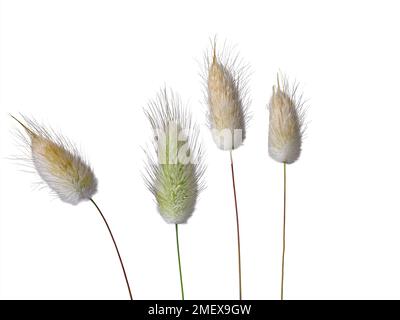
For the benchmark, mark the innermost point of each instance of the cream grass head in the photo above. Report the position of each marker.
(58, 163)
(174, 174)
(226, 97)
(286, 122)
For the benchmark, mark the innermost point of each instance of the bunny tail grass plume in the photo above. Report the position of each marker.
(58, 163)
(226, 97)
(227, 100)
(286, 129)
(286, 123)
(63, 170)
(175, 175)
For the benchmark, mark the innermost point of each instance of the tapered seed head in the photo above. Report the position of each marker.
(286, 122)
(174, 172)
(226, 97)
(57, 162)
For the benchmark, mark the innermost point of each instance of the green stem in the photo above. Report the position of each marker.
(284, 228)
(179, 261)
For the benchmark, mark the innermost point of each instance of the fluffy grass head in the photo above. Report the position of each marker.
(226, 96)
(174, 173)
(57, 161)
(286, 122)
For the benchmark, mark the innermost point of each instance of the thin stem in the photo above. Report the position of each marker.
(237, 228)
(284, 228)
(179, 261)
(116, 247)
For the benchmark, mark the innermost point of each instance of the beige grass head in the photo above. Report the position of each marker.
(58, 162)
(286, 122)
(226, 96)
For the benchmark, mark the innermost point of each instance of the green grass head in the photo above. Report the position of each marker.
(174, 172)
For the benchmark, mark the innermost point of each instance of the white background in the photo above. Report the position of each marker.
(88, 68)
